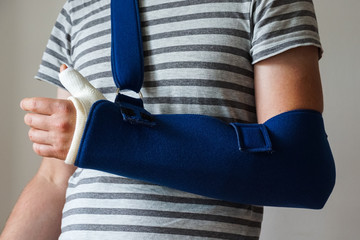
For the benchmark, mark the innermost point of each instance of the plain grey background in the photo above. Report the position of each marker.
(25, 27)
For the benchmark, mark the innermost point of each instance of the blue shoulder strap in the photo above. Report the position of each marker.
(126, 45)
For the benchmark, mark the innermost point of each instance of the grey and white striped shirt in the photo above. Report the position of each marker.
(199, 58)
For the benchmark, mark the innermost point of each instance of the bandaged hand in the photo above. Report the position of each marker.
(56, 125)
(83, 97)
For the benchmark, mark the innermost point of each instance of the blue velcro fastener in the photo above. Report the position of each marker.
(252, 137)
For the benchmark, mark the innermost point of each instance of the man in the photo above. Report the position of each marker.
(202, 57)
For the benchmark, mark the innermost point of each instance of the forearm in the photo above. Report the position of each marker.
(37, 213)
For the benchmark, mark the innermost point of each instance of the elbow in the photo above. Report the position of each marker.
(323, 189)
(321, 193)
(310, 188)
(320, 177)
(307, 154)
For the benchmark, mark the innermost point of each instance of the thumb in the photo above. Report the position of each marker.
(63, 67)
(79, 87)
(83, 97)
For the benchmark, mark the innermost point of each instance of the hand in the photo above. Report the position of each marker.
(52, 123)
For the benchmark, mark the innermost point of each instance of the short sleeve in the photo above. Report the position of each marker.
(280, 25)
(58, 49)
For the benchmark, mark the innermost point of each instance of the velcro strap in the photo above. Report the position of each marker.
(252, 137)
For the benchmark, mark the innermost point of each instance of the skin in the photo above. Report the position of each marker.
(52, 124)
(285, 82)
(38, 211)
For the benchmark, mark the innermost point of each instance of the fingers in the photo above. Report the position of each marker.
(39, 136)
(48, 144)
(49, 113)
(42, 150)
(52, 123)
(47, 106)
(38, 105)
(38, 121)
(55, 123)
(48, 151)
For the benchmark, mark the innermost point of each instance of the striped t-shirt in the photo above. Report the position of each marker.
(199, 57)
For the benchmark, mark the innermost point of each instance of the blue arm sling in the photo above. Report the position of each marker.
(286, 161)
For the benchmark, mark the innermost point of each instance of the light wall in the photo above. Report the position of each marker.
(25, 27)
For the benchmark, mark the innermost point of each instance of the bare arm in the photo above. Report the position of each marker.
(37, 213)
(288, 81)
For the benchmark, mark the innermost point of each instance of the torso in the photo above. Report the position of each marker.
(196, 61)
